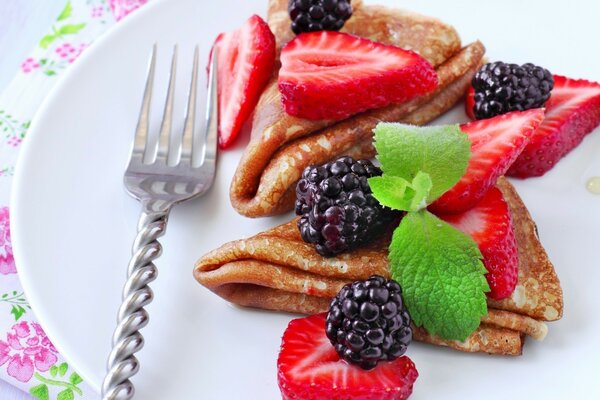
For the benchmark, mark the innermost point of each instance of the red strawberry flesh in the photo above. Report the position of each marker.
(331, 75)
(245, 63)
(572, 112)
(309, 368)
(495, 145)
(489, 223)
(470, 103)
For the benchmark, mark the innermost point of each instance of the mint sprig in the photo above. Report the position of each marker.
(400, 194)
(443, 152)
(441, 275)
(438, 267)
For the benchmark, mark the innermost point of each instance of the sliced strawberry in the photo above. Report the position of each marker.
(495, 144)
(572, 112)
(245, 63)
(490, 225)
(309, 368)
(332, 75)
(470, 103)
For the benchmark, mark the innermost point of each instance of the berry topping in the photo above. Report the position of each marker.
(318, 15)
(338, 211)
(572, 112)
(489, 223)
(495, 145)
(331, 75)
(501, 88)
(308, 367)
(367, 322)
(245, 63)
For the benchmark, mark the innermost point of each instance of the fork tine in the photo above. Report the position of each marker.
(185, 149)
(165, 127)
(141, 131)
(209, 156)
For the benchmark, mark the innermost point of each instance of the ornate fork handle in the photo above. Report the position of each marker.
(127, 340)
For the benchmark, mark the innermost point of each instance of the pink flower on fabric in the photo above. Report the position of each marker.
(29, 65)
(27, 349)
(120, 8)
(7, 262)
(77, 52)
(97, 12)
(70, 52)
(65, 50)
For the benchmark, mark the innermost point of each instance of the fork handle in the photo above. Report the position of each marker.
(127, 340)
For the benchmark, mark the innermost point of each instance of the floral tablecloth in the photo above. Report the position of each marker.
(28, 360)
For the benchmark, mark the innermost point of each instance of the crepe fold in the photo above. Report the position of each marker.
(276, 270)
(281, 146)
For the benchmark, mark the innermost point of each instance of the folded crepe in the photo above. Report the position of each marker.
(281, 146)
(277, 270)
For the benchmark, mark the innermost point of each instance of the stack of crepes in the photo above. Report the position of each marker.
(277, 270)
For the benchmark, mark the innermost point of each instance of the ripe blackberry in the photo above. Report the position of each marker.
(500, 88)
(338, 211)
(367, 322)
(318, 15)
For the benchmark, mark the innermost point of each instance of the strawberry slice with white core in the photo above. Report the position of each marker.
(489, 223)
(330, 75)
(245, 63)
(572, 112)
(495, 144)
(309, 368)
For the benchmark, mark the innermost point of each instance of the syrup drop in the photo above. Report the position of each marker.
(593, 185)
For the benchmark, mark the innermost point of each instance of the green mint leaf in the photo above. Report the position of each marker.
(399, 194)
(66, 12)
(442, 152)
(53, 371)
(40, 392)
(441, 274)
(66, 394)
(75, 379)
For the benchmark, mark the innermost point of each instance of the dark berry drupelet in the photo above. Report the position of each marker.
(367, 322)
(338, 211)
(500, 88)
(318, 15)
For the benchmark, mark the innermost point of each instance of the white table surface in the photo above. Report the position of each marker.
(22, 24)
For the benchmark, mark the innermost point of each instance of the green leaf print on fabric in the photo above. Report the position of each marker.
(70, 29)
(13, 130)
(40, 392)
(69, 387)
(19, 304)
(66, 394)
(59, 31)
(66, 12)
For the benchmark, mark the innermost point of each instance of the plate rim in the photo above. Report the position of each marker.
(17, 240)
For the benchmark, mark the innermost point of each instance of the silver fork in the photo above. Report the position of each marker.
(158, 182)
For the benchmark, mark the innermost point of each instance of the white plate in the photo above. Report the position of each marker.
(73, 224)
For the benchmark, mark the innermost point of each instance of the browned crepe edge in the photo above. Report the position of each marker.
(422, 34)
(259, 189)
(275, 270)
(272, 127)
(535, 268)
(492, 338)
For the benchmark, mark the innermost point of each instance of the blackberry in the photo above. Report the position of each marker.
(367, 322)
(338, 211)
(318, 15)
(500, 88)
